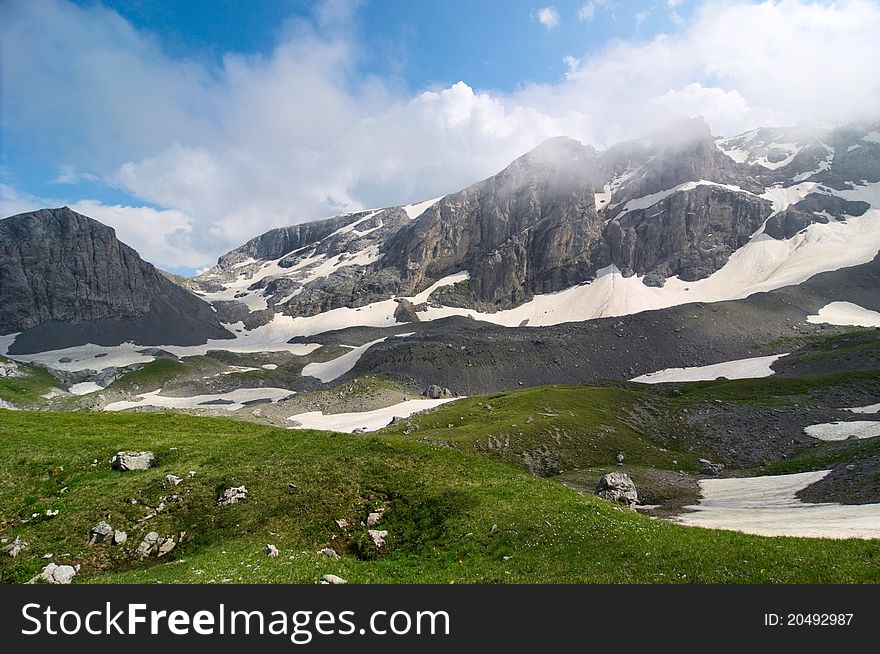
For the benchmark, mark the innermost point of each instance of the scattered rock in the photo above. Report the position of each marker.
(618, 487)
(191, 473)
(100, 532)
(57, 574)
(233, 496)
(374, 517)
(271, 551)
(396, 419)
(119, 537)
(332, 579)
(16, 547)
(710, 469)
(378, 537)
(149, 545)
(342, 523)
(329, 553)
(620, 458)
(165, 546)
(124, 461)
(173, 480)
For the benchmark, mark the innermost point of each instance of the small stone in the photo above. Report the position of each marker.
(173, 480)
(16, 547)
(378, 537)
(233, 496)
(342, 523)
(332, 579)
(100, 532)
(149, 544)
(191, 473)
(271, 551)
(620, 458)
(374, 517)
(329, 553)
(166, 545)
(119, 537)
(710, 469)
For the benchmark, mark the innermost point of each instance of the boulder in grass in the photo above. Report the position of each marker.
(57, 574)
(271, 551)
(618, 487)
(125, 461)
(330, 553)
(332, 579)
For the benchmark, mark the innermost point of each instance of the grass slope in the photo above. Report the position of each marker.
(452, 516)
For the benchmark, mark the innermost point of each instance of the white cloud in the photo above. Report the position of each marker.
(588, 10)
(548, 17)
(261, 141)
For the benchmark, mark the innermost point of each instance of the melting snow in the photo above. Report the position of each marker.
(366, 420)
(84, 388)
(846, 313)
(768, 506)
(227, 401)
(841, 431)
(738, 369)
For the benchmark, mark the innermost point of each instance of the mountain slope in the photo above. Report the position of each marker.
(66, 280)
(675, 217)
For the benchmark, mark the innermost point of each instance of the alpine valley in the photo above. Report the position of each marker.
(657, 362)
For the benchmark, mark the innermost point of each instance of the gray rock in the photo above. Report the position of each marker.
(102, 292)
(436, 392)
(58, 574)
(124, 461)
(405, 311)
(100, 533)
(233, 496)
(330, 553)
(271, 551)
(374, 517)
(378, 537)
(119, 537)
(172, 480)
(618, 487)
(710, 469)
(16, 547)
(149, 545)
(332, 579)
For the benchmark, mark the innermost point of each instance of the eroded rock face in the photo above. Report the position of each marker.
(618, 487)
(70, 276)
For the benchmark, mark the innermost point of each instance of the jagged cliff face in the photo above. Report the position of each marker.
(676, 204)
(57, 266)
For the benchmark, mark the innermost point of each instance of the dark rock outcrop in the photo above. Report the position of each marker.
(66, 279)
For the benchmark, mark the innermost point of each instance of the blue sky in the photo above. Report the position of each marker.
(193, 126)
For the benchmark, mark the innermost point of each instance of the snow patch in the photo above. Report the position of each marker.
(366, 420)
(768, 506)
(846, 313)
(842, 430)
(329, 370)
(227, 401)
(752, 368)
(84, 388)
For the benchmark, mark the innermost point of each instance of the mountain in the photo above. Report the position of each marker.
(674, 206)
(66, 279)
(564, 234)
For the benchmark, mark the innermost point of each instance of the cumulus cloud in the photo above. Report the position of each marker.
(588, 10)
(548, 17)
(226, 152)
